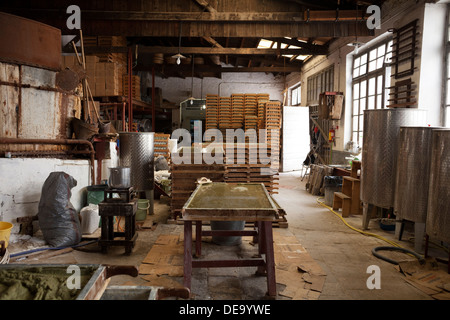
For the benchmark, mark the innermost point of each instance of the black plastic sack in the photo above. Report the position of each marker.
(58, 218)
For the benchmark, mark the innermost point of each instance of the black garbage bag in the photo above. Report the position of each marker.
(58, 219)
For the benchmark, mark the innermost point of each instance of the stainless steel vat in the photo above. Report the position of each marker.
(136, 152)
(438, 215)
(379, 153)
(413, 173)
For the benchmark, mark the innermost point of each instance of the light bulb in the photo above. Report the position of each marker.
(178, 60)
(192, 101)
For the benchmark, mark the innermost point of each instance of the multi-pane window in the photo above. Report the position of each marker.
(371, 72)
(295, 96)
(318, 83)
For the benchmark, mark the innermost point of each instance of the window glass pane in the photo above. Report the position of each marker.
(373, 55)
(362, 69)
(447, 117)
(371, 103)
(380, 62)
(378, 106)
(381, 50)
(361, 125)
(355, 107)
(362, 106)
(294, 97)
(372, 86)
(363, 88)
(364, 59)
(448, 92)
(372, 65)
(356, 91)
(355, 123)
(380, 84)
(357, 62)
(355, 72)
(355, 137)
(448, 65)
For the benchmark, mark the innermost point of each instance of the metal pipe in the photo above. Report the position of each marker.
(130, 91)
(153, 100)
(56, 141)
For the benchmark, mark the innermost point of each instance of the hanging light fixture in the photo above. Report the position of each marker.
(191, 98)
(179, 56)
(356, 44)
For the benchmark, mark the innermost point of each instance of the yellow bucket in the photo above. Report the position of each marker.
(5, 231)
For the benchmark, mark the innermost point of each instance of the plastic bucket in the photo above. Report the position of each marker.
(5, 231)
(227, 225)
(142, 209)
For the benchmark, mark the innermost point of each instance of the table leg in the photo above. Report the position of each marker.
(198, 238)
(270, 258)
(187, 253)
(261, 270)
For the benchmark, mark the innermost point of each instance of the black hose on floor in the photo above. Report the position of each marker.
(376, 254)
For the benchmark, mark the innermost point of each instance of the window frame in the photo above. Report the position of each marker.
(319, 82)
(298, 89)
(375, 95)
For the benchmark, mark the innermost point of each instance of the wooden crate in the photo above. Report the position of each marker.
(161, 145)
(184, 181)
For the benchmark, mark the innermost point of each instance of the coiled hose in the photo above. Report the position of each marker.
(395, 246)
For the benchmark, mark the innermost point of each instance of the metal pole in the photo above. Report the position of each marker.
(153, 99)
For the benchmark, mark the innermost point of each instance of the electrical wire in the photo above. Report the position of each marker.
(358, 230)
(395, 246)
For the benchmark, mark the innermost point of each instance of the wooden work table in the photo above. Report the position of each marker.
(220, 201)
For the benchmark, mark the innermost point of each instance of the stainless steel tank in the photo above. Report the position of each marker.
(413, 173)
(379, 152)
(438, 216)
(136, 151)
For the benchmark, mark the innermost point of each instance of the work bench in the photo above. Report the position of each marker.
(219, 201)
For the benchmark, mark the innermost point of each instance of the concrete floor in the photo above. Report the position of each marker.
(343, 254)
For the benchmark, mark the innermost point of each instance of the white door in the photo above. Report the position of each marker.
(295, 137)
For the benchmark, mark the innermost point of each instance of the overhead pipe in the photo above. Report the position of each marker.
(56, 142)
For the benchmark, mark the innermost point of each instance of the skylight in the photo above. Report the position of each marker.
(267, 44)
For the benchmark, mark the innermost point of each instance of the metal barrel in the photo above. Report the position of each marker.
(379, 152)
(438, 215)
(136, 152)
(413, 173)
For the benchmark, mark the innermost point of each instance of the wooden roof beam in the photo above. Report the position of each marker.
(199, 50)
(186, 71)
(210, 16)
